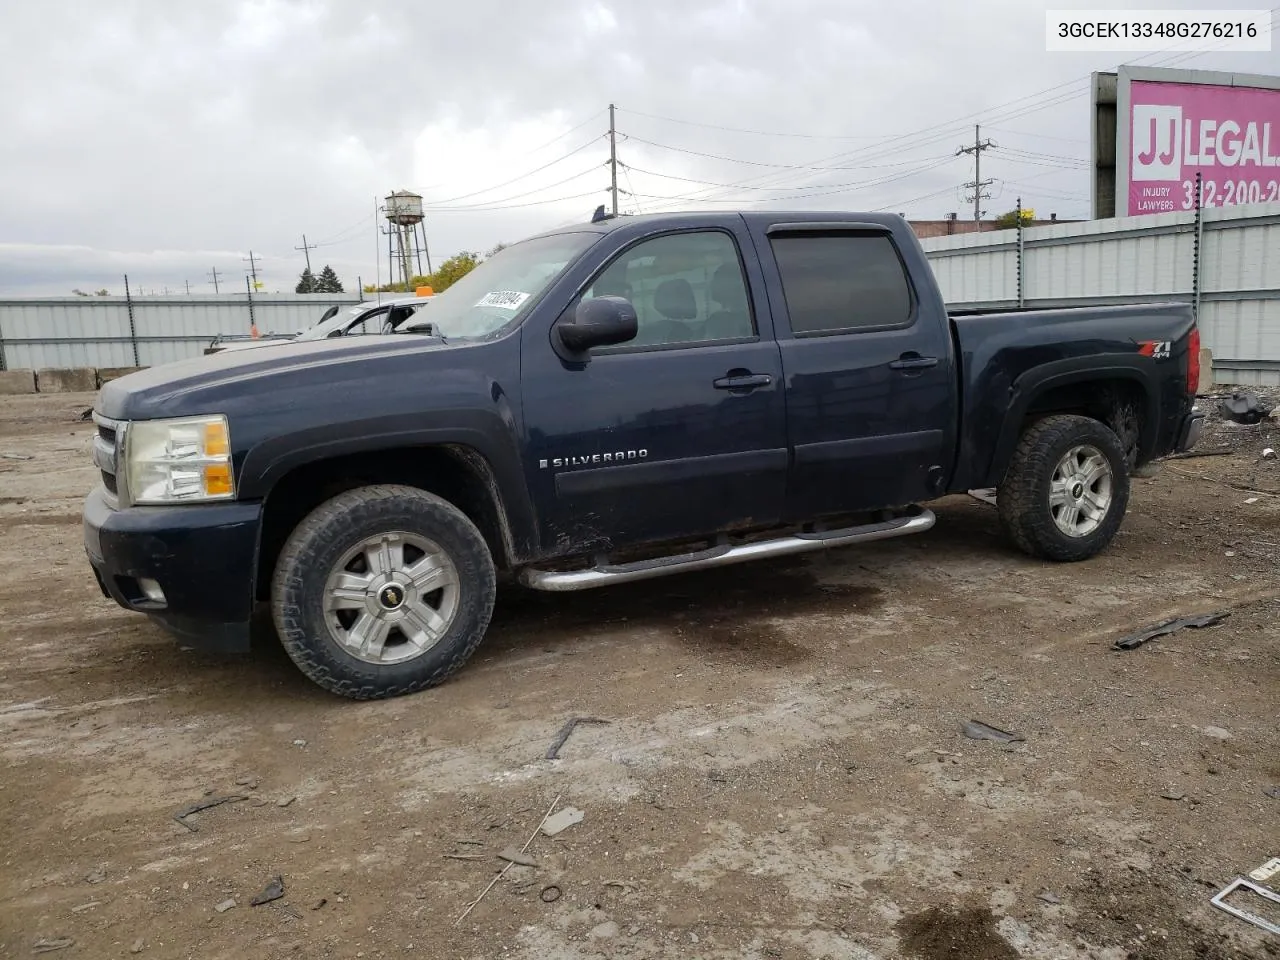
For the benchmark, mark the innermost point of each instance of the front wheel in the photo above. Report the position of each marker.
(381, 591)
(1066, 490)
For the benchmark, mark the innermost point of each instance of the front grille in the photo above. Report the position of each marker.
(106, 451)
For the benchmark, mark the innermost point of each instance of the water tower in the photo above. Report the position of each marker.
(403, 210)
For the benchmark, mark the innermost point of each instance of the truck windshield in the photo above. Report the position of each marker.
(497, 292)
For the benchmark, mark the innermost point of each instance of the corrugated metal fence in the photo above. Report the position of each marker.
(1228, 263)
(143, 331)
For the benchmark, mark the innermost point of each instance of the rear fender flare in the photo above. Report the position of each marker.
(1035, 383)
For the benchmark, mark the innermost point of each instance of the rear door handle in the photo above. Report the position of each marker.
(912, 362)
(746, 381)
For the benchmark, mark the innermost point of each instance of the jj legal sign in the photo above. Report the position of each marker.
(1228, 134)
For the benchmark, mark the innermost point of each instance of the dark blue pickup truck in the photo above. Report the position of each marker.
(622, 399)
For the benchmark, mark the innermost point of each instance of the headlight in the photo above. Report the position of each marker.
(179, 461)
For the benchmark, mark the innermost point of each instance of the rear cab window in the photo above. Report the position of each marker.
(843, 282)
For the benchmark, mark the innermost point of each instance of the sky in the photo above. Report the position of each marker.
(166, 140)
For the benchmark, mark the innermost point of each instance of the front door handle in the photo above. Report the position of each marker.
(913, 361)
(743, 381)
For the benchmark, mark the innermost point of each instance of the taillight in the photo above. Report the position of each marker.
(1193, 362)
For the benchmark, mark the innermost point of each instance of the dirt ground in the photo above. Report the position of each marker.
(782, 774)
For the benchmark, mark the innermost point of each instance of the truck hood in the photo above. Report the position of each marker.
(232, 381)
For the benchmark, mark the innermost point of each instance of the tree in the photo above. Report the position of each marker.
(448, 273)
(102, 293)
(453, 270)
(306, 283)
(497, 249)
(1007, 221)
(328, 281)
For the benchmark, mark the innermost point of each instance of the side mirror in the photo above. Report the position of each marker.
(599, 322)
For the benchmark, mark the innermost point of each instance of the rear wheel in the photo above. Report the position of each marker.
(381, 591)
(1065, 493)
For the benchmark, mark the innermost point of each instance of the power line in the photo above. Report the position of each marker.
(505, 183)
(214, 273)
(515, 206)
(253, 266)
(593, 169)
(762, 133)
(669, 176)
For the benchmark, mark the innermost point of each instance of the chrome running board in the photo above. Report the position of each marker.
(605, 574)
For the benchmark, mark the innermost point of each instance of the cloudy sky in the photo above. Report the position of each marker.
(165, 139)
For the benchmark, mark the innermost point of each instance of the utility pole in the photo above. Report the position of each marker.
(978, 185)
(214, 273)
(253, 266)
(188, 283)
(613, 160)
(306, 250)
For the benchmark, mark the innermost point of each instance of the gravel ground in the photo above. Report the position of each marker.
(782, 774)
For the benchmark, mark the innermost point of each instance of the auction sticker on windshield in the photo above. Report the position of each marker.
(506, 299)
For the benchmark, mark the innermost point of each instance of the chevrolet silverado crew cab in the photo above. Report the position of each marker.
(608, 402)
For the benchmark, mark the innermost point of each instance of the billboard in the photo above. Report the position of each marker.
(1173, 124)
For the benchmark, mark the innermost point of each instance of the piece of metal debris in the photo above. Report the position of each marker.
(549, 894)
(272, 891)
(199, 805)
(1266, 871)
(1220, 901)
(512, 855)
(553, 752)
(977, 730)
(1166, 627)
(1049, 896)
(562, 821)
(225, 905)
(1244, 407)
(49, 946)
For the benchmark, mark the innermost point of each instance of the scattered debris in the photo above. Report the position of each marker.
(1173, 795)
(306, 837)
(562, 821)
(604, 931)
(468, 842)
(138, 946)
(285, 801)
(1268, 454)
(1218, 733)
(225, 905)
(86, 906)
(512, 855)
(319, 904)
(272, 891)
(1244, 407)
(17, 456)
(1166, 627)
(49, 946)
(986, 496)
(507, 866)
(250, 782)
(1272, 792)
(97, 874)
(553, 752)
(1191, 454)
(977, 730)
(1049, 896)
(1266, 871)
(299, 743)
(1220, 901)
(199, 805)
(86, 414)
(464, 856)
(550, 894)
(1251, 500)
